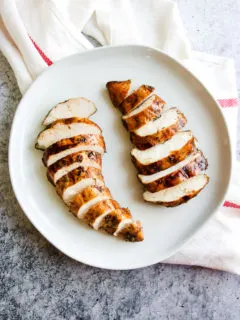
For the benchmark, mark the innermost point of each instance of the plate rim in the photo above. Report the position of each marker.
(40, 229)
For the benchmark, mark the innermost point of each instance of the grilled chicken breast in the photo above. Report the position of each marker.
(135, 99)
(163, 156)
(98, 211)
(103, 213)
(159, 130)
(95, 206)
(75, 107)
(190, 167)
(166, 158)
(146, 112)
(62, 148)
(66, 128)
(73, 149)
(118, 91)
(178, 194)
(115, 219)
(88, 197)
(73, 161)
(131, 232)
(76, 180)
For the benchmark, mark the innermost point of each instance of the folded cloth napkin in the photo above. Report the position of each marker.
(34, 34)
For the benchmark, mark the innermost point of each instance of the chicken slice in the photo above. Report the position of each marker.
(76, 180)
(120, 223)
(66, 128)
(146, 112)
(135, 99)
(107, 215)
(97, 212)
(159, 130)
(114, 219)
(88, 197)
(179, 194)
(75, 107)
(73, 161)
(189, 167)
(62, 148)
(164, 155)
(118, 91)
(73, 148)
(131, 232)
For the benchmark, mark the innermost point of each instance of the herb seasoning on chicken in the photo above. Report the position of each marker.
(73, 147)
(167, 159)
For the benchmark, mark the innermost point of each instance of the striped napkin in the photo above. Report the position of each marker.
(35, 34)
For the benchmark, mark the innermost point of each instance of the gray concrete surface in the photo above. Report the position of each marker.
(38, 282)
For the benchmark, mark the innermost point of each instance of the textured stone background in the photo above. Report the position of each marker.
(38, 282)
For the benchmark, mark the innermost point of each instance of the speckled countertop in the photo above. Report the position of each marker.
(38, 282)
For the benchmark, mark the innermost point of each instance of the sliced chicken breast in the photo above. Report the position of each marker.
(179, 194)
(66, 128)
(97, 212)
(62, 148)
(159, 130)
(146, 112)
(165, 155)
(104, 213)
(76, 180)
(114, 219)
(189, 167)
(131, 232)
(73, 151)
(118, 91)
(88, 197)
(135, 99)
(73, 161)
(75, 107)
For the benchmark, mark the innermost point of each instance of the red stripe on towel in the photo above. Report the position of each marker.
(42, 54)
(227, 103)
(229, 204)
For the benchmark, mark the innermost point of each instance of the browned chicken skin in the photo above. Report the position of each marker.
(190, 189)
(69, 121)
(118, 91)
(150, 113)
(99, 209)
(63, 129)
(189, 170)
(162, 164)
(65, 144)
(112, 220)
(161, 136)
(86, 195)
(78, 175)
(80, 157)
(108, 211)
(135, 99)
(180, 201)
(132, 232)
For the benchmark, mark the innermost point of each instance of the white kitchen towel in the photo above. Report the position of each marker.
(34, 34)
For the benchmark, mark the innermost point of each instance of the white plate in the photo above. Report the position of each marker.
(86, 75)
